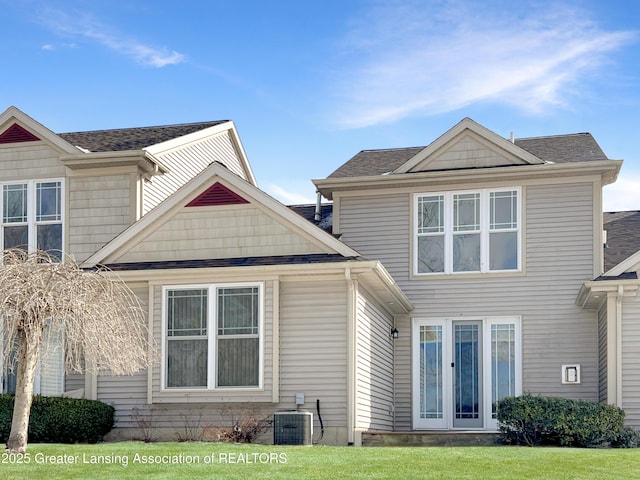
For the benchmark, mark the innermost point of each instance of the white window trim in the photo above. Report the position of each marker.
(31, 211)
(484, 230)
(446, 422)
(45, 348)
(212, 336)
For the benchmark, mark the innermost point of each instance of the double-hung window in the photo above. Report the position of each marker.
(468, 231)
(213, 336)
(32, 216)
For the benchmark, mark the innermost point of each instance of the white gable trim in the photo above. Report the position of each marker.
(630, 264)
(165, 211)
(226, 127)
(468, 124)
(13, 114)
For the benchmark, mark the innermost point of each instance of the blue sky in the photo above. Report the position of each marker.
(311, 83)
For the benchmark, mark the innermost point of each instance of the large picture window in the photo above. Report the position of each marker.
(213, 336)
(32, 216)
(468, 231)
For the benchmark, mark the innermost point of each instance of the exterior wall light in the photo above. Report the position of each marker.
(394, 333)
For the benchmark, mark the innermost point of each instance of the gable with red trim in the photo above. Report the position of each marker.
(217, 194)
(17, 134)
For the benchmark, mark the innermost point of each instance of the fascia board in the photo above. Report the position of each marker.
(370, 271)
(140, 158)
(606, 169)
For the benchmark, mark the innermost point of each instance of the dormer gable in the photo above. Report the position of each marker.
(465, 146)
(16, 128)
(218, 215)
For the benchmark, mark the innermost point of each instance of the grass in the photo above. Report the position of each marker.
(217, 460)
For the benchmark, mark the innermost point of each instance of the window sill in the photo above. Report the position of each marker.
(465, 276)
(251, 394)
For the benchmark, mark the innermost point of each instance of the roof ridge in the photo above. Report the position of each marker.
(148, 127)
(553, 136)
(389, 149)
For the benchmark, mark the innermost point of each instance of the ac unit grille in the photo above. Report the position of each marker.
(292, 428)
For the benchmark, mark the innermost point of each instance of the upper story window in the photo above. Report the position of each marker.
(468, 231)
(32, 216)
(213, 336)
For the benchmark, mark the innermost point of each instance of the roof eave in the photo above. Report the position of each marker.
(372, 272)
(142, 159)
(594, 292)
(607, 169)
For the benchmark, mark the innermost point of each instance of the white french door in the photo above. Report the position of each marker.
(461, 368)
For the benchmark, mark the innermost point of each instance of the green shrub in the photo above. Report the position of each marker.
(627, 438)
(61, 420)
(537, 420)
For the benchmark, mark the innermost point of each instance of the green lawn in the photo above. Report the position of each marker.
(216, 460)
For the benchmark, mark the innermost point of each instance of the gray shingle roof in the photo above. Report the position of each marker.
(375, 162)
(308, 212)
(623, 236)
(577, 147)
(132, 138)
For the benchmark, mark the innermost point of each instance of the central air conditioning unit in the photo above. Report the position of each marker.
(292, 428)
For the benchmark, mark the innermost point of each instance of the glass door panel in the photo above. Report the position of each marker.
(503, 363)
(431, 405)
(467, 374)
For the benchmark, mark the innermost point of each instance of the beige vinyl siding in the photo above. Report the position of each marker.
(31, 160)
(180, 414)
(73, 381)
(100, 208)
(235, 231)
(470, 151)
(374, 366)
(313, 348)
(186, 162)
(602, 353)
(182, 397)
(381, 226)
(558, 236)
(630, 356)
(126, 391)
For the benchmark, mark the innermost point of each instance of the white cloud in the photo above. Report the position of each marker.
(419, 58)
(622, 195)
(85, 26)
(287, 195)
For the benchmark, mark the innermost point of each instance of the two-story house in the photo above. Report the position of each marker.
(442, 279)
(491, 240)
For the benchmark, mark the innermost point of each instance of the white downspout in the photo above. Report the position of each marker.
(619, 346)
(351, 388)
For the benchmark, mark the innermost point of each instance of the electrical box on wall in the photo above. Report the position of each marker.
(571, 374)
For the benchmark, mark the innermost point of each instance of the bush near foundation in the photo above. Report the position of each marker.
(61, 420)
(537, 420)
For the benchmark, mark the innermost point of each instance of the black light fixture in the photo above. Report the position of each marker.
(394, 333)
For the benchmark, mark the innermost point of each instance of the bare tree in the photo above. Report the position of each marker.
(99, 317)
